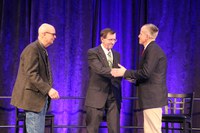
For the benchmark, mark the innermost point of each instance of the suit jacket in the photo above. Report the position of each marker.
(100, 79)
(151, 77)
(33, 80)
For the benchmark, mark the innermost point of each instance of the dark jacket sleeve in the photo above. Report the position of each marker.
(96, 64)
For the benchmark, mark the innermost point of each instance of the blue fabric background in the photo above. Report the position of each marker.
(78, 23)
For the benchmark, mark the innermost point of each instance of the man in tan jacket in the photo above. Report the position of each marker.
(33, 87)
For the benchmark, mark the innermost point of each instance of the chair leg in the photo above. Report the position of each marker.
(24, 126)
(52, 125)
(49, 123)
(190, 126)
(166, 127)
(173, 127)
(184, 127)
(17, 126)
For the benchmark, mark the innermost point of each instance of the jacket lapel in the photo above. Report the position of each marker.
(42, 53)
(115, 59)
(145, 52)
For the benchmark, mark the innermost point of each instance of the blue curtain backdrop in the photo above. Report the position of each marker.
(78, 23)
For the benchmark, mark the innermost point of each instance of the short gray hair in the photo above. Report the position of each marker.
(153, 30)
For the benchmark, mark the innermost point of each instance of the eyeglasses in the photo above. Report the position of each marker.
(112, 40)
(51, 33)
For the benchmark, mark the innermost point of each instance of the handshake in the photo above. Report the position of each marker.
(119, 72)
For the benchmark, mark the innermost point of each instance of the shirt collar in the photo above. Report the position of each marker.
(105, 50)
(147, 45)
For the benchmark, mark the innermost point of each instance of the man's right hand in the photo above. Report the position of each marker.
(53, 94)
(118, 72)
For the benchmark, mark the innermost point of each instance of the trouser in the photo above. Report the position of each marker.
(35, 122)
(152, 120)
(94, 116)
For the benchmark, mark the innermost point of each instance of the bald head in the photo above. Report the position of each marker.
(46, 34)
(45, 28)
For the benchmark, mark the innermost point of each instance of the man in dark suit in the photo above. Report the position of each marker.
(33, 87)
(104, 91)
(150, 78)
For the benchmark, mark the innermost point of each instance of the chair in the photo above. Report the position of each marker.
(179, 110)
(20, 117)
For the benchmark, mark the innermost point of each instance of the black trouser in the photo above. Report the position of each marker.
(94, 116)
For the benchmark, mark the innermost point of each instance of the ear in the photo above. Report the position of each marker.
(102, 39)
(43, 34)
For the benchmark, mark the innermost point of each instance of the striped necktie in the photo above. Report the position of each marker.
(110, 59)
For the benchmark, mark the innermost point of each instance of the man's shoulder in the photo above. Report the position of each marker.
(94, 49)
(114, 51)
(153, 45)
(31, 47)
(155, 48)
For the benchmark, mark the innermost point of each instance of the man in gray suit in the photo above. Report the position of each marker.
(33, 87)
(150, 78)
(104, 91)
